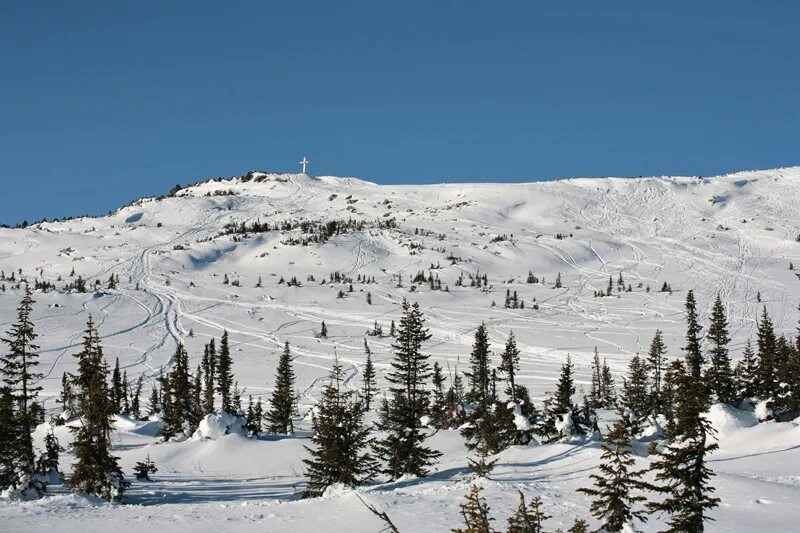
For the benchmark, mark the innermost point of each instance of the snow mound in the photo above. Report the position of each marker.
(726, 419)
(215, 426)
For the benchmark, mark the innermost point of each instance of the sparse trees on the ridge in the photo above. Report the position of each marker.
(341, 453)
(283, 404)
(20, 392)
(402, 449)
(96, 471)
(224, 376)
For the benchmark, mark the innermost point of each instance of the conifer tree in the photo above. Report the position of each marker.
(747, 373)
(209, 367)
(341, 453)
(402, 449)
(766, 371)
(485, 428)
(682, 468)
(143, 469)
(283, 404)
(67, 398)
(8, 429)
(95, 472)
(655, 367)
(136, 409)
(509, 366)
(19, 381)
(125, 406)
(528, 518)
(180, 419)
(693, 353)
(369, 382)
(719, 375)
(616, 487)
(47, 464)
(475, 512)
(153, 404)
(224, 376)
(608, 392)
(438, 404)
(634, 391)
(595, 399)
(115, 393)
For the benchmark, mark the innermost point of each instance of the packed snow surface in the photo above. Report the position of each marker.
(733, 235)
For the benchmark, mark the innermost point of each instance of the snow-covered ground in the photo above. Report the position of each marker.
(731, 235)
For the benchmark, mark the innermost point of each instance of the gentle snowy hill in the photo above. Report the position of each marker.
(732, 235)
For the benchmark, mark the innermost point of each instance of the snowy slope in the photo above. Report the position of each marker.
(734, 235)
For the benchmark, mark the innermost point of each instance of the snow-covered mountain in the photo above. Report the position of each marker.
(734, 235)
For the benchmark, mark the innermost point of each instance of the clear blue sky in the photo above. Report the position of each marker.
(103, 102)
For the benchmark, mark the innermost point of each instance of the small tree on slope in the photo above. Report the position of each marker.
(475, 512)
(341, 440)
(614, 497)
(96, 472)
(283, 404)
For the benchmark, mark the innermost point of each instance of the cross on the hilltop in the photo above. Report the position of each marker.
(304, 162)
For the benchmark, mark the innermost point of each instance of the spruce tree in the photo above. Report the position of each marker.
(209, 367)
(682, 467)
(617, 488)
(528, 518)
(402, 448)
(115, 394)
(719, 375)
(439, 402)
(635, 397)
(224, 376)
(8, 440)
(655, 367)
(19, 378)
(48, 461)
(766, 371)
(95, 472)
(341, 453)
(283, 404)
(180, 419)
(369, 382)
(475, 512)
(487, 430)
(747, 373)
(136, 409)
(693, 353)
(596, 392)
(609, 395)
(509, 366)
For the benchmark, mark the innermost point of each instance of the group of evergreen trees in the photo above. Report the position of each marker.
(95, 470)
(492, 410)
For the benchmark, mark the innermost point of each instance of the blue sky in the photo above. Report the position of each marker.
(104, 102)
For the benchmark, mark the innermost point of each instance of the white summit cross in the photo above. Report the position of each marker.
(304, 162)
